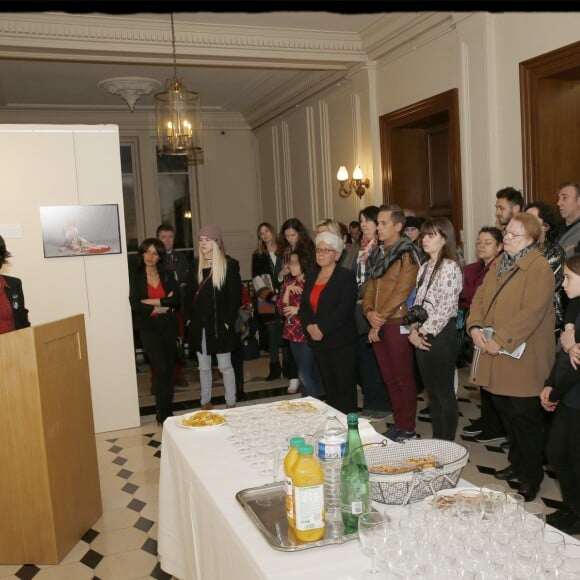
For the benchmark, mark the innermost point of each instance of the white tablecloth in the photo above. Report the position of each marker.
(205, 534)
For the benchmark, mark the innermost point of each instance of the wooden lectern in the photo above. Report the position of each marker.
(49, 480)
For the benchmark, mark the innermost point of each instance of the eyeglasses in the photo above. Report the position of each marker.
(511, 235)
(324, 251)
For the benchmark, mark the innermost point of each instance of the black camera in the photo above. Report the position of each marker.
(416, 314)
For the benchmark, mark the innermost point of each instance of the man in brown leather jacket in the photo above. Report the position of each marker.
(393, 275)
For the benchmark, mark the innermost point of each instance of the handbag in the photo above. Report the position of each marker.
(250, 347)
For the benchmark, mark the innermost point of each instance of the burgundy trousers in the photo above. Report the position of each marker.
(395, 357)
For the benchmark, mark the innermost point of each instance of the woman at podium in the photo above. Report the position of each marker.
(154, 297)
(13, 313)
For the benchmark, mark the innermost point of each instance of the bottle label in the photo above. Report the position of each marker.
(331, 450)
(309, 506)
(289, 498)
(356, 508)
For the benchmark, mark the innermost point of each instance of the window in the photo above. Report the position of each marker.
(174, 199)
(129, 196)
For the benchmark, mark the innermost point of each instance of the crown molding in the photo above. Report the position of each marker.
(142, 119)
(71, 36)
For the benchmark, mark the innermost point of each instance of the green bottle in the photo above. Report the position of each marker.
(355, 489)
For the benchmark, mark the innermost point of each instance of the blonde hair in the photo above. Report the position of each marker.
(329, 225)
(218, 266)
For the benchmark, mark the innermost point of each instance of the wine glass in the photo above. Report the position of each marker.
(372, 533)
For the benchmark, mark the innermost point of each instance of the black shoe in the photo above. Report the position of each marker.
(275, 371)
(506, 474)
(488, 438)
(528, 491)
(474, 429)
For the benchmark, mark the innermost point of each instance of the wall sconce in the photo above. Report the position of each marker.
(356, 184)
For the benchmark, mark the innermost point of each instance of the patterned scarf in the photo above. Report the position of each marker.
(381, 260)
(507, 261)
(366, 247)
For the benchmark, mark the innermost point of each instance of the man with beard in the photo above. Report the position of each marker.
(393, 275)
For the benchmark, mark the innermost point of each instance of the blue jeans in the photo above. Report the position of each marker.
(226, 369)
(308, 372)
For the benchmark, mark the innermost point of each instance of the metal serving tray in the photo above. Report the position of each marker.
(267, 509)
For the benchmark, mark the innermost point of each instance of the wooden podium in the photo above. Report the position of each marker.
(49, 480)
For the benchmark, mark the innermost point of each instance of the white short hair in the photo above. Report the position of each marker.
(332, 240)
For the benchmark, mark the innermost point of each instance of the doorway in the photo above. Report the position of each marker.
(421, 158)
(550, 104)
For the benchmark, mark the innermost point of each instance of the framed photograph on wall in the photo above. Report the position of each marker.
(80, 230)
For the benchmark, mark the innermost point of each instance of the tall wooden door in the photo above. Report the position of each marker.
(421, 158)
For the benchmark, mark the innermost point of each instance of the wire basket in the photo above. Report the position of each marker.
(402, 488)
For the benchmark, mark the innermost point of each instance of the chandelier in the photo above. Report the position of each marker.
(178, 117)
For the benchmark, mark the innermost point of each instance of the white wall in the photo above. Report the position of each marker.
(479, 54)
(45, 165)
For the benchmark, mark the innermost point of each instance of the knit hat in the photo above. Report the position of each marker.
(413, 222)
(211, 231)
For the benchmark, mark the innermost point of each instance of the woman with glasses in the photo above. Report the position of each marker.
(327, 315)
(154, 297)
(489, 247)
(512, 311)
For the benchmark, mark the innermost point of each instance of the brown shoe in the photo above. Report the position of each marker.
(230, 406)
(207, 406)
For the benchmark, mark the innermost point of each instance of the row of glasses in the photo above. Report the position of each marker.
(473, 533)
(261, 433)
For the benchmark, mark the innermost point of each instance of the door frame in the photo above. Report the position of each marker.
(532, 71)
(447, 101)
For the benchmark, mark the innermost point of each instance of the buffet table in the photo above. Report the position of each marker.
(205, 534)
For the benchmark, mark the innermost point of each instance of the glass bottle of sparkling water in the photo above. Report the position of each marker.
(355, 491)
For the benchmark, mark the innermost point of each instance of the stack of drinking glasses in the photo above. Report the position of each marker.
(472, 533)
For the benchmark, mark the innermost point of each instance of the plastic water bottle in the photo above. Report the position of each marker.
(331, 446)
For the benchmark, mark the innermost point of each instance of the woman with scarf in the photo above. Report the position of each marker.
(512, 310)
(376, 403)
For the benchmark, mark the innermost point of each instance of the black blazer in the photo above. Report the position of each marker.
(335, 313)
(142, 318)
(15, 297)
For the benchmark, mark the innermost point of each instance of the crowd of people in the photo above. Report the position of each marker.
(387, 303)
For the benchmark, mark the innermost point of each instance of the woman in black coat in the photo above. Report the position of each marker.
(327, 314)
(13, 313)
(212, 302)
(154, 297)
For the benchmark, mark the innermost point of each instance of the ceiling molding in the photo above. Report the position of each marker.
(71, 36)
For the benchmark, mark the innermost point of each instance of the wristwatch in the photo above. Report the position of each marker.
(421, 334)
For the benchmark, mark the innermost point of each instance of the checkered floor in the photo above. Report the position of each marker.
(122, 544)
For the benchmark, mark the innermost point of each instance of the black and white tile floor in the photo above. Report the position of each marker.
(122, 544)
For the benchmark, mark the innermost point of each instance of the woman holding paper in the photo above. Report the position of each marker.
(514, 306)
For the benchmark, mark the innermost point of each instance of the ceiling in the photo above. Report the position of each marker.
(255, 64)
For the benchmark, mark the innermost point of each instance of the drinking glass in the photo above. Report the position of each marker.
(570, 554)
(537, 509)
(552, 539)
(372, 533)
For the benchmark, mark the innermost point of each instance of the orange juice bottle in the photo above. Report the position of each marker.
(289, 462)
(308, 496)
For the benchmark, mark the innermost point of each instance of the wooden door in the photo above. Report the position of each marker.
(550, 104)
(421, 158)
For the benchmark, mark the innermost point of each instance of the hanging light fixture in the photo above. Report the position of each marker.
(178, 117)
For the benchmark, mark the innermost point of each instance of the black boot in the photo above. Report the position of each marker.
(275, 371)
(240, 395)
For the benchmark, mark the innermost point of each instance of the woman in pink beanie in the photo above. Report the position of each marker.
(212, 302)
